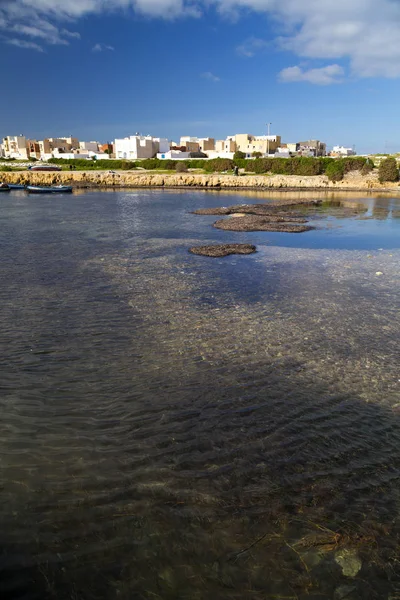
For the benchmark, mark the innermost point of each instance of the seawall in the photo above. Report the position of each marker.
(139, 179)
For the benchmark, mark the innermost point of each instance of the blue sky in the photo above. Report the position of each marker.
(326, 69)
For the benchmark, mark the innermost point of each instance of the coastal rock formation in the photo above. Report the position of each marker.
(216, 251)
(267, 210)
(139, 179)
(256, 223)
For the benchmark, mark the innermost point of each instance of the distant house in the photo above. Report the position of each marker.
(342, 151)
(265, 144)
(137, 146)
(15, 146)
(312, 148)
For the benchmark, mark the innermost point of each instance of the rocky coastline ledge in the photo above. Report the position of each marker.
(148, 179)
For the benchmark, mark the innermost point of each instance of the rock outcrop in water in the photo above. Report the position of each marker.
(253, 223)
(219, 250)
(267, 210)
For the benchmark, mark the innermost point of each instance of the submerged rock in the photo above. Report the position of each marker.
(344, 592)
(349, 561)
(219, 250)
(257, 209)
(255, 223)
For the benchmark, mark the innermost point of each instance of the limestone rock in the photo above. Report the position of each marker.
(349, 561)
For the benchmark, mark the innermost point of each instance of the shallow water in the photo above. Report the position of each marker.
(175, 426)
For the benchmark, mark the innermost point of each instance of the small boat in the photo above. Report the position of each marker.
(54, 189)
(16, 186)
(4, 187)
(44, 168)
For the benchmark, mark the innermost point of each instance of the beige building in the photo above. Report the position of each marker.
(14, 146)
(207, 144)
(228, 145)
(61, 144)
(191, 146)
(265, 144)
(292, 147)
(203, 144)
(33, 148)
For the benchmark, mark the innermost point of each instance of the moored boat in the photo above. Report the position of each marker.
(16, 186)
(55, 189)
(4, 187)
(44, 168)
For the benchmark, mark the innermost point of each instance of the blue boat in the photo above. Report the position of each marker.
(15, 186)
(4, 187)
(55, 189)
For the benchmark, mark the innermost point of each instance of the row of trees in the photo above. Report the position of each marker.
(334, 168)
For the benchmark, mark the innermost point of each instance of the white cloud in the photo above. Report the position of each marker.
(210, 76)
(70, 34)
(101, 47)
(24, 44)
(364, 32)
(45, 31)
(322, 76)
(251, 46)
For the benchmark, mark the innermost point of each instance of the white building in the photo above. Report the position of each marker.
(136, 146)
(174, 155)
(15, 146)
(342, 151)
(219, 154)
(67, 155)
(163, 144)
(92, 146)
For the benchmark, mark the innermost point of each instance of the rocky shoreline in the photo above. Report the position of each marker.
(148, 179)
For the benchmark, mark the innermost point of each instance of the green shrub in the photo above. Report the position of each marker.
(218, 165)
(151, 163)
(181, 167)
(388, 170)
(196, 163)
(259, 165)
(241, 162)
(325, 161)
(353, 163)
(335, 170)
(5, 169)
(238, 155)
(304, 165)
(281, 166)
(367, 167)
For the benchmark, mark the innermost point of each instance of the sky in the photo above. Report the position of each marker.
(104, 69)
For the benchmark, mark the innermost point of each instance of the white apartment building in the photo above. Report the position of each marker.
(92, 146)
(136, 146)
(15, 146)
(342, 151)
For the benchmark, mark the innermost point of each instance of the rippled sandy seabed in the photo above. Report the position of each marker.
(205, 428)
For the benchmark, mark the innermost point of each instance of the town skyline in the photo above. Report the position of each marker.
(327, 70)
(137, 147)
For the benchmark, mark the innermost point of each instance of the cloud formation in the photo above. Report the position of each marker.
(363, 32)
(101, 47)
(251, 46)
(322, 76)
(210, 76)
(24, 44)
